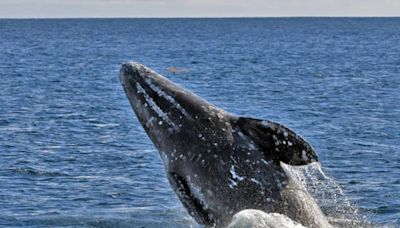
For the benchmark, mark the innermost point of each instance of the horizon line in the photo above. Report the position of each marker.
(196, 17)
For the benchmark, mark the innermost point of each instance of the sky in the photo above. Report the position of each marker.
(195, 8)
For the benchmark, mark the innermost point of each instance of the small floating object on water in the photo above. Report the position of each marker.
(177, 70)
(318, 75)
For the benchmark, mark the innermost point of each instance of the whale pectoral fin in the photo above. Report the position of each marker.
(194, 205)
(278, 142)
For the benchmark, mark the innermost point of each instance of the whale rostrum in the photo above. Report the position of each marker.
(217, 163)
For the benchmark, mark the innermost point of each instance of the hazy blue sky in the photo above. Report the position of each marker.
(196, 8)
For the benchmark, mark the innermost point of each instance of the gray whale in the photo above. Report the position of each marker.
(217, 163)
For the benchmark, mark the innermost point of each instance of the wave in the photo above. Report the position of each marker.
(36, 172)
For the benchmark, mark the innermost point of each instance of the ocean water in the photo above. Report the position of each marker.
(72, 153)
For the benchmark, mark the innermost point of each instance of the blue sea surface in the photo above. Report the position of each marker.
(72, 153)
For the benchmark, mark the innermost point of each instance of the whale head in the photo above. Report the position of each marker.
(171, 116)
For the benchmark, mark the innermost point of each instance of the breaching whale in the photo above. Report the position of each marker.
(217, 163)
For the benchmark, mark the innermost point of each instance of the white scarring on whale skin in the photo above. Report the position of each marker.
(161, 93)
(251, 218)
(154, 106)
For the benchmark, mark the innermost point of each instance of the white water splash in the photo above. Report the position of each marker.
(258, 219)
(327, 193)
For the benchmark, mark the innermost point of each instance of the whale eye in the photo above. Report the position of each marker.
(277, 142)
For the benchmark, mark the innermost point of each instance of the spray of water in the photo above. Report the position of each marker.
(328, 195)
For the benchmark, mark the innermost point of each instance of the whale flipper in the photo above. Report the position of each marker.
(278, 142)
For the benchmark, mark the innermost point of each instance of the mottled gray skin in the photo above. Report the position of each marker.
(218, 163)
